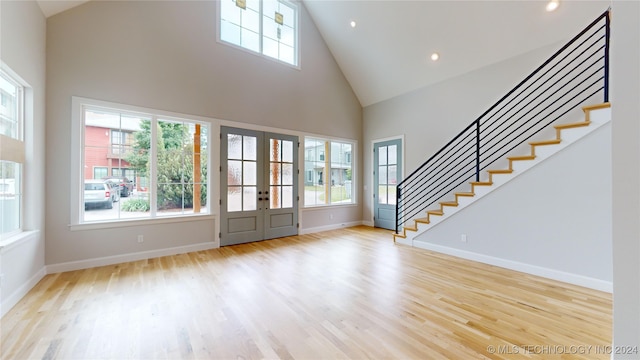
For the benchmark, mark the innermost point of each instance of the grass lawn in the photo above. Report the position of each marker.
(338, 193)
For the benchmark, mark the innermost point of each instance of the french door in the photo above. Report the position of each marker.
(259, 186)
(387, 165)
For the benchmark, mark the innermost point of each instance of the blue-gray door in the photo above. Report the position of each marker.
(259, 186)
(387, 165)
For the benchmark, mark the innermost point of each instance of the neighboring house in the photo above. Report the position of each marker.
(315, 163)
(105, 153)
(107, 143)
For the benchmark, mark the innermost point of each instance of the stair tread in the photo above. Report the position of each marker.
(482, 183)
(470, 194)
(449, 203)
(596, 106)
(424, 220)
(501, 171)
(435, 212)
(545, 142)
(572, 125)
(524, 157)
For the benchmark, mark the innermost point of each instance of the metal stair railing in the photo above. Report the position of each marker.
(575, 75)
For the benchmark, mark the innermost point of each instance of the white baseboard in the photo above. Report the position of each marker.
(570, 278)
(117, 259)
(20, 292)
(330, 227)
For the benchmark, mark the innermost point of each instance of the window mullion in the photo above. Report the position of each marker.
(20, 112)
(261, 36)
(153, 171)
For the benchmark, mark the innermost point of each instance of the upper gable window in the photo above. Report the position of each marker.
(268, 27)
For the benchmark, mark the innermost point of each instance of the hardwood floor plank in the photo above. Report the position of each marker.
(348, 293)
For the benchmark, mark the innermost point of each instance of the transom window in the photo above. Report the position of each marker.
(268, 27)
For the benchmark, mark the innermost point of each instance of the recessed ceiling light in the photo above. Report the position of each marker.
(552, 5)
(352, 23)
(435, 56)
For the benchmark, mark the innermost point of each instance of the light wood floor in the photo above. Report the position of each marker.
(340, 294)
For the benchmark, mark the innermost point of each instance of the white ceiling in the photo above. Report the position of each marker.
(387, 53)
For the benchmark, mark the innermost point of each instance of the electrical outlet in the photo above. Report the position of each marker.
(140, 238)
(330, 216)
(463, 238)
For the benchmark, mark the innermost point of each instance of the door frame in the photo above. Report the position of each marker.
(263, 150)
(403, 171)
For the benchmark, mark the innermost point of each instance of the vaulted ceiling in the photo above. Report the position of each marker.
(388, 52)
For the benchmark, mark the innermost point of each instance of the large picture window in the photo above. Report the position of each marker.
(329, 172)
(268, 27)
(12, 154)
(140, 165)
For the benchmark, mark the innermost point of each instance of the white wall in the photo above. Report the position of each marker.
(164, 55)
(554, 220)
(625, 98)
(22, 48)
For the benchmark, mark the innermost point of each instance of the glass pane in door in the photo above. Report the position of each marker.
(281, 173)
(393, 155)
(382, 175)
(382, 155)
(242, 173)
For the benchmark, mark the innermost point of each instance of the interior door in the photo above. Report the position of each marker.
(259, 186)
(387, 165)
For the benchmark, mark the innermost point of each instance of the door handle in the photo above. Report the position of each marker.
(259, 199)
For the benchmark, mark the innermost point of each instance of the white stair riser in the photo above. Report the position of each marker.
(547, 150)
(499, 179)
(481, 191)
(573, 134)
(465, 200)
(450, 210)
(522, 165)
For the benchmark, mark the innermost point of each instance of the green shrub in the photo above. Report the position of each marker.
(136, 205)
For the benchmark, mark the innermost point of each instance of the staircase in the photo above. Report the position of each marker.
(513, 135)
(595, 116)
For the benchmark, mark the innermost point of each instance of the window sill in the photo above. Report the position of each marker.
(16, 240)
(325, 206)
(139, 222)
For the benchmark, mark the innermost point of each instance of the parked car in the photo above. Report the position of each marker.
(126, 185)
(115, 190)
(100, 193)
